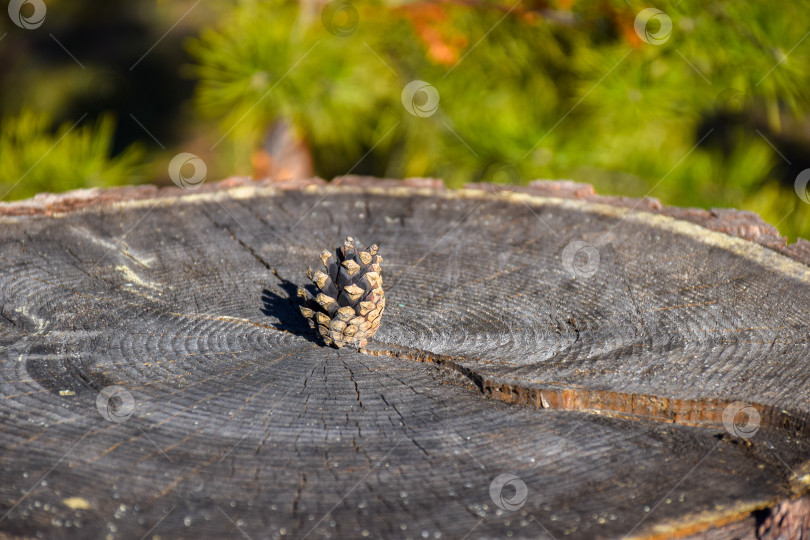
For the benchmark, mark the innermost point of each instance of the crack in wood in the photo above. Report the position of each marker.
(695, 413)
(704, 413)
(307, 434)
(351, 377)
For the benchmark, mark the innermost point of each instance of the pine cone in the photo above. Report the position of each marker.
(349, 307)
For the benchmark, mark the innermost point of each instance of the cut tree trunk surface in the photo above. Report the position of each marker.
(604, 377)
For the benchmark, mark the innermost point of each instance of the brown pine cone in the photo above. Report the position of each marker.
(349, 306)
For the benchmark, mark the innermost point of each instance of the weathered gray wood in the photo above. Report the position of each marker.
(603, 394)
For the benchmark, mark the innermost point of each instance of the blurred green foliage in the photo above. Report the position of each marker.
(558, 91)
(714, 115)
(35, 158)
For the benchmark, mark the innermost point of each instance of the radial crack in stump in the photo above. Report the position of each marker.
(634, 366)
(349, 306)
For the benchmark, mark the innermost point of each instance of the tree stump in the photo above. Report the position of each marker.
(634, 370)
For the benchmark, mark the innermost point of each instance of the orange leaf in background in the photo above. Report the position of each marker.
(443, 47)
(283, 155)
(261, 164)
(623, 22)
(628, 31)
